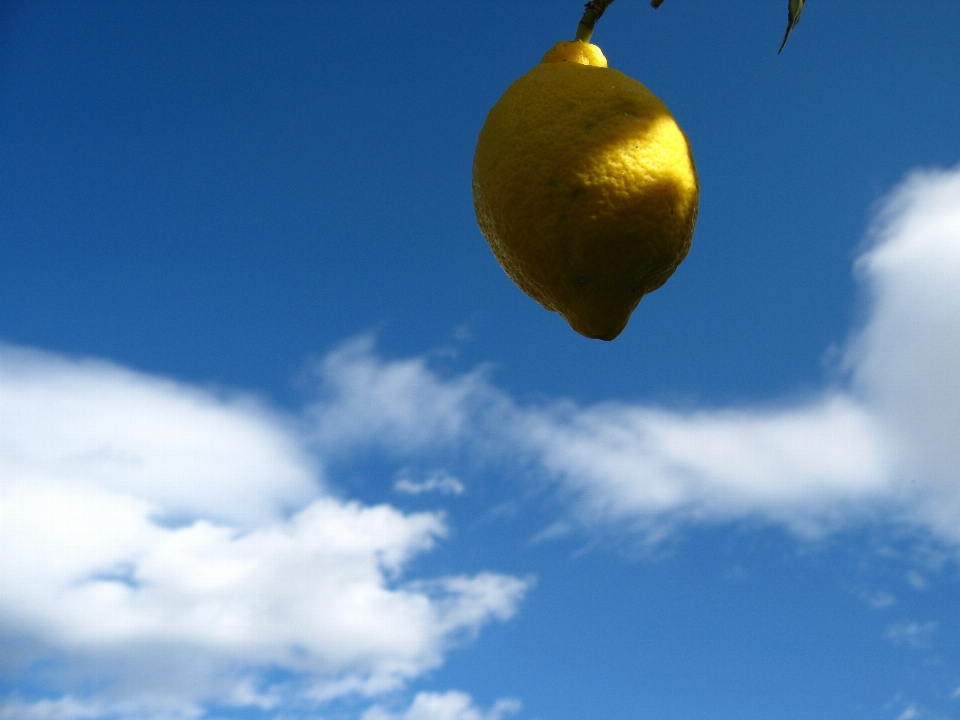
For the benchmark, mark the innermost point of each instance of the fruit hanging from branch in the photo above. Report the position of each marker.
(584, 187)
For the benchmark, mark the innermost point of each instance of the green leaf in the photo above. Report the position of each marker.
(794, 9)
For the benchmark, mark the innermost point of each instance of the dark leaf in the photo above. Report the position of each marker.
(794, 9)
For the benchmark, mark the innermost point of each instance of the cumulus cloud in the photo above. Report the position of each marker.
(188, 452)
(161, 540)
(904, 361)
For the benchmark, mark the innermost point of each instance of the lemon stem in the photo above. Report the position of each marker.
(593, 10)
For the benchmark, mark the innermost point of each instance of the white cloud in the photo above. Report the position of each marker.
(904, 360)
(451, 705)
(155, 530)
(439, 481)
(884, 444)
(176, 545)
(188, 452)
(401, 406)
(800, 466)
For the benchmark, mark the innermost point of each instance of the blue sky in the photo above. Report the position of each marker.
(279, 439)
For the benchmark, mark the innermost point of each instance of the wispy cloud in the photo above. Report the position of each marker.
(439, 481)
(647, 467)
(878, 600)
(914, 634)
(880, 443)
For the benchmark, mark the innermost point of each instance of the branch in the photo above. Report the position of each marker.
(594, 9)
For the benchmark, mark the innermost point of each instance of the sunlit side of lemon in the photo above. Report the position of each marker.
(585, 189)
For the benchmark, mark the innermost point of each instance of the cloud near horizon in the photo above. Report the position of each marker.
(152, 528)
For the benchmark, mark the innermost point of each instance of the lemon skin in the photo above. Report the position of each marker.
(585, 189)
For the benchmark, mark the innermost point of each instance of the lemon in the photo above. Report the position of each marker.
(585, 189)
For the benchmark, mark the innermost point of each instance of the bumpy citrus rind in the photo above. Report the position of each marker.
(585, 189)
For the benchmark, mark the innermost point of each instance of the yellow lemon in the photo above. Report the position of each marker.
(585, 189)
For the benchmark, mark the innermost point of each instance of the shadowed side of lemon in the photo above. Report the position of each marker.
(585, 189)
